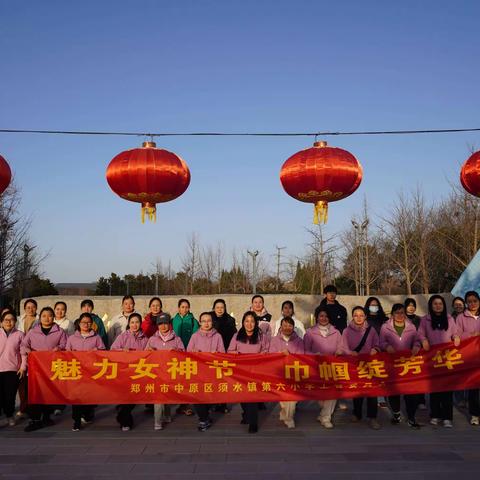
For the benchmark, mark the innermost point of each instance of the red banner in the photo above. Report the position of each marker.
(103, 377)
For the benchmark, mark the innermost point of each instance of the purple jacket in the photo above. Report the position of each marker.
(467, 325)
(352, 336)
(127, 340)
(240, 347)
(10, 358)
(293, 345)
(80, 343)
(389, 336)
(170, 342)
(434, 337)
(210, 342)
(35, 339)
(329, 345)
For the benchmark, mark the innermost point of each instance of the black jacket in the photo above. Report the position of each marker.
(337, 314)
(225, 326)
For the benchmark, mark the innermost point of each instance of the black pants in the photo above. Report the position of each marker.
(85, 411)
(8, 391)
(250, 413)
(124, 415)
(372, 407)
(39, 412)
(202, 411)
(411, 403)
(474, 402)
(441, 405)
(23, 394)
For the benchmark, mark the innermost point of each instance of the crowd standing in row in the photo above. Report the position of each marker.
(369, 331)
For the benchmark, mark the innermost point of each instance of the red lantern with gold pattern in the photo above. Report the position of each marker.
(319, 175)
(148, 175)
(5, 175)
(470, 174)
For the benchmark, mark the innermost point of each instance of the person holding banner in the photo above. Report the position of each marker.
(207, 339)
(119, 323)
(324, 339)
(149, 323)
(435, 328)
(399, 334)
(249, 339)
(287, 341)
(12, 364)
(360, 337)
(164, 339)
(85, 339)
(468, 324)
(133, 338)
(47, 335)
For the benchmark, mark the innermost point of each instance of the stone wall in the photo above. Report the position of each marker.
(236, 304)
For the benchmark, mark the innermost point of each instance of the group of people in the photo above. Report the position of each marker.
(369, 331)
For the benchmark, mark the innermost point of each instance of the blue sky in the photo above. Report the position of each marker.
(225, 66)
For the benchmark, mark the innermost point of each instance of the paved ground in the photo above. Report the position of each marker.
(227, 451)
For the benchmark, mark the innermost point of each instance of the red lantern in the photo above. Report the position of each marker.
(470, 174)
(5, 175)
(319, 175)
(148, 175)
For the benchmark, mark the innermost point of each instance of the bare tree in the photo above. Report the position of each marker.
(191, 261)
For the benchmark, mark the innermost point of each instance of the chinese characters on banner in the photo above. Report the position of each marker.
(102, 377)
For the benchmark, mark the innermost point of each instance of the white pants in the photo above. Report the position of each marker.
(287, 411)
(326, 410)
(161, 412)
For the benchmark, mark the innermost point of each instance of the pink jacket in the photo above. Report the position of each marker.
(127, 340)
(315, 342)
(352, 336)
(170, 342)
(10, 358)
(35, 339)
(210, 342)
(434, 337)
(293, 345)
(240, 347)
(389, 336)
(80, 343)
(467, 325)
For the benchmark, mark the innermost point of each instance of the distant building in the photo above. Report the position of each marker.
(84, 289)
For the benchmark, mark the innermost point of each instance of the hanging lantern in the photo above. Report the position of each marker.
(5, 175)
(470, 174)
(148, 175)
(319, 175)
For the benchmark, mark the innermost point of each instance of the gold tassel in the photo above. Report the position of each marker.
(151, 211)
(320, 212)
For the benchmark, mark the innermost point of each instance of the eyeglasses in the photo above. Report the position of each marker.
(85, 323)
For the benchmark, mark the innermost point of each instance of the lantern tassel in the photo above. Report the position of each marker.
(150, 210)
(320, 212)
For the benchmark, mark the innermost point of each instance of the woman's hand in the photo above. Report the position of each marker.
(390, 349)
(426, 345)
(415, 350)
(338, 353)
(373, 351)
(354, 353)
(456, 340)
(21, 372)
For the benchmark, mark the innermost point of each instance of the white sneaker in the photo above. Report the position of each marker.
(447, 424)
(158, 426)
(326, 424)
(11, 421)
(290, 423)
(20, 415)
(57, 412)
(434, 421)
(474, 420)
(125, 429)
(342, 406)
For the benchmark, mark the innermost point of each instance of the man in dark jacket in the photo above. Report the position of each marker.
(336, 312)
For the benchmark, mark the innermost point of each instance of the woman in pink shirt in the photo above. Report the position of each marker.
(12, 365)
(468, 324)
(435, 328)
(206, 339)
(83, 340)
(249, 339)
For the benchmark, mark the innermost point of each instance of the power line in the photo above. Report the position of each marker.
(240, 134)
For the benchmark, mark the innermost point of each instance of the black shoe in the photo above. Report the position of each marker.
(47, 421)
(33, 425)
(396, 419)
(412, 423)
(253, 428)
(243, 421)
(76, 426)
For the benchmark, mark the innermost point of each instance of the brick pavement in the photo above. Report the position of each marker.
(227, 451)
